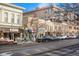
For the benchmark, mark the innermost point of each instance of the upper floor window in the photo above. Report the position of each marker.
(6, 17)
(0, 15)
(12, 18)
(74, 27)
(49, 11)
(70, 27)
(18, 19)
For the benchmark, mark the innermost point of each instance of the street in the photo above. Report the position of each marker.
(66, 51)
(54, 48)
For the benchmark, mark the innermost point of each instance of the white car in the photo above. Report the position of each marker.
(74, 36)
(62, 37)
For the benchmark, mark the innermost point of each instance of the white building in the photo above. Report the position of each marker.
(10, 19)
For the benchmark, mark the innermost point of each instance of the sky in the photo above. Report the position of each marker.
(27, 6)
(30, 6)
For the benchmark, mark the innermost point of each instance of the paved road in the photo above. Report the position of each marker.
(65, 51)
(25, 50)
(5, 48)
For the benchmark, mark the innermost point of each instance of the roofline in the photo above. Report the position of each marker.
(12, 5)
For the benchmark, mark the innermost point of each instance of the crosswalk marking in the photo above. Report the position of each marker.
(6, 54)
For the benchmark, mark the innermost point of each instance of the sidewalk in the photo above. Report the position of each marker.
(25, 42)
(43, 47)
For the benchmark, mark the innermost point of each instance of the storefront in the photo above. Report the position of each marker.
(9, 33)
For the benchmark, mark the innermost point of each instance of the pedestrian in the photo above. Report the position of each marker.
(10, 36)
(34, 37)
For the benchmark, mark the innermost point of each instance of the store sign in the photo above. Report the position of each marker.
(14, 30)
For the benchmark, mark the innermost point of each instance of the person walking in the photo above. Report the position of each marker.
(34, 37)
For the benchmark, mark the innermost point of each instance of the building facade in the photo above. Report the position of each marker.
(10, 20)
(54, 20)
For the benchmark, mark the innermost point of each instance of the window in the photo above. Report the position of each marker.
(0, 15)
(70, 27)
(56, 27)
(18, 19)
(77, 28)
(6, 17)
(49, 11)
(12, 18)
(74, 27)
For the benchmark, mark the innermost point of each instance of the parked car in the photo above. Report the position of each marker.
(77, 36)
(46, 38)
(62, 37)
(72, 36)
(39, 39)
